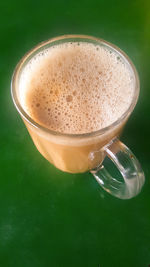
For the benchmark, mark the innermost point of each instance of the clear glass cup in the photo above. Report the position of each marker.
(76, 153)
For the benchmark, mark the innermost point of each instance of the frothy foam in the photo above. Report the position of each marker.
(76, 88)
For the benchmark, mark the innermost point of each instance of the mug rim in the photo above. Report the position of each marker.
(43, 45)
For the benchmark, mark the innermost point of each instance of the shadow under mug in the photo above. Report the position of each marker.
(76, 153)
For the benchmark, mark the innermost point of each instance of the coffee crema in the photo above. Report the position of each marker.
(76, 87)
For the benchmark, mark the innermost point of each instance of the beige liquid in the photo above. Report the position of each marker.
(75, 88)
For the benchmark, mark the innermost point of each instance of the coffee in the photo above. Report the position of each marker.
(75, 88)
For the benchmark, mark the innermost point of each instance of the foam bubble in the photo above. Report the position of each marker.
(76, 88)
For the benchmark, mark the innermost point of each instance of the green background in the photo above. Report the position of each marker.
(50, 218)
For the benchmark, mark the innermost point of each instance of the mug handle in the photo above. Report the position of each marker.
(129, 167)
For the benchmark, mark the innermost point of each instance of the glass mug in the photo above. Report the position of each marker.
(78, 153)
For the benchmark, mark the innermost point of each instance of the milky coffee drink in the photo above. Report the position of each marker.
(75, 88)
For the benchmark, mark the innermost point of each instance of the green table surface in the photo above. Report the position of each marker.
(47, 217)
